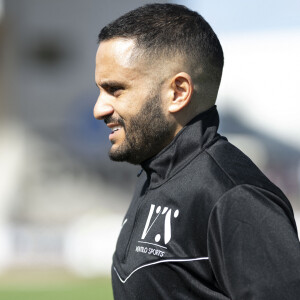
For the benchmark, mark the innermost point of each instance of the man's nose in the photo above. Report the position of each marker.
(102, 109)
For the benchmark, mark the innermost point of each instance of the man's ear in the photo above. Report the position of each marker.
(182, 90)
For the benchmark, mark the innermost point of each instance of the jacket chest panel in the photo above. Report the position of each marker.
(160, 226)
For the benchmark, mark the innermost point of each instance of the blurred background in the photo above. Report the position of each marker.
(61, 200)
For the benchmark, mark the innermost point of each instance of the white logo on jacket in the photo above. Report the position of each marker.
(168, 213)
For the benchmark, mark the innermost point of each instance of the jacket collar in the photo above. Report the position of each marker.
(197, 135)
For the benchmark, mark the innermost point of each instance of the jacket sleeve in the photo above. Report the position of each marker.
(253, 246)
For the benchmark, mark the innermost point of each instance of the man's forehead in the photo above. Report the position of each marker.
(117, 59)
(120, 57)
(119, 50)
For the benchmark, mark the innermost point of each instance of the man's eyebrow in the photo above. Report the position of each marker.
(110, 83)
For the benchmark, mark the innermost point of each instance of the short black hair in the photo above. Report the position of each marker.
(169, 29)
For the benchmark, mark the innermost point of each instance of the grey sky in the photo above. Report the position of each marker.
(236, 15)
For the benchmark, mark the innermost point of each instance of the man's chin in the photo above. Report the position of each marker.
(123, 155)
(117, 154)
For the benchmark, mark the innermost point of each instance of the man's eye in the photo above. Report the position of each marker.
(114, 89)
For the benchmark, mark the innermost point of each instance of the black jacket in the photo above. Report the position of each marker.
(205, 223)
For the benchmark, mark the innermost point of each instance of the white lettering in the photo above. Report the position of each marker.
(141, 249)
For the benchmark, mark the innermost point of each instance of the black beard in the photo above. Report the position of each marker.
(146, 134)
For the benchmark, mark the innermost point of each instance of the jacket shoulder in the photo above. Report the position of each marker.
(239, 167)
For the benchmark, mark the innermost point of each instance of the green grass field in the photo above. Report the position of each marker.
(52, 285)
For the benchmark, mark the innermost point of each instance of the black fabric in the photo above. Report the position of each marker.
(205, 223)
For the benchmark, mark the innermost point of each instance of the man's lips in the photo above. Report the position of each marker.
(114, 128)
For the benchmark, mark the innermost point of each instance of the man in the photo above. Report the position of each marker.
(204, 222)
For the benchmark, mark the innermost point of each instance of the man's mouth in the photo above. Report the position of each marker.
(115, 128)
(114, 131)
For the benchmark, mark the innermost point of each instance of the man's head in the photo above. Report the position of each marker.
(157, 67)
